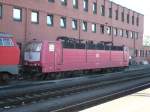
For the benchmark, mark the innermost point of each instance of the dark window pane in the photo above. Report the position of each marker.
(74, 24)
(122, 16)
(110, 12)
(64, 2)
(116, 14)
(1, 11)
(128, 18)
(132, 20)
(84, 26)
(94, 8)
(51, 0)
(1, 43)
(75, 3)
(137, 21)
(85, 5)
(102, 29)
(102, 10)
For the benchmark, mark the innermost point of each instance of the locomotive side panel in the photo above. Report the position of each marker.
(117, 59)
(98, 59)
(9, 54)
(72, 59)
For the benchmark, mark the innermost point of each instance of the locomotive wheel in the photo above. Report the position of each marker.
(4, 77)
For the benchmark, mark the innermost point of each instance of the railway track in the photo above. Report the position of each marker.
(29, 98)
(101, 99)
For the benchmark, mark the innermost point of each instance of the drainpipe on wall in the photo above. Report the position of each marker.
(26, 24)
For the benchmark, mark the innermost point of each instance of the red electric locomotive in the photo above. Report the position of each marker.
(69, 54)
(9, 56)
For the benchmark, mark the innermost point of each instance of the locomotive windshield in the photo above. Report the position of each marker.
(6, 42)
(33, 46)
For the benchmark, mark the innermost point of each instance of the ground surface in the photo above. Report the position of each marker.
(138, 102)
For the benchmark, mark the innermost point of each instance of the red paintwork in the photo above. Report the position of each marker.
(9, 55)
(63, 59)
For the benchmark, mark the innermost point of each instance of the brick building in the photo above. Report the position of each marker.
(97, 20)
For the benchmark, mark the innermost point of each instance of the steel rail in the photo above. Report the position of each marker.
(54, 94)
(61, 103)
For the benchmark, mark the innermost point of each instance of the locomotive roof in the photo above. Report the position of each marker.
(2, 34)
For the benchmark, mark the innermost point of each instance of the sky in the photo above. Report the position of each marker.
(141, 6)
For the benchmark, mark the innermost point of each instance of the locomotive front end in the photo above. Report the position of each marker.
(32, 57)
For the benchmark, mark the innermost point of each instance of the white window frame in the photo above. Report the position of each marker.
(108, 30)
(121, 32)
(63, 22)
(35, 17)
(17, 14)
(84, 26)
(93, 27)
(115, 31)
(50, 20)
(74, 24)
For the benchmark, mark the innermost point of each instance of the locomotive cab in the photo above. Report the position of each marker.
(39, 57)
(32, 53)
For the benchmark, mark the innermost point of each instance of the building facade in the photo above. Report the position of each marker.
(97, 20)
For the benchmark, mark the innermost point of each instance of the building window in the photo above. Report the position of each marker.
(146, 53)
(132, 20)
(131, 34)
(136, 35)
(85, 5)
(128, 18)
(136, 53)
(121, 32)
(94, 28)
(115, 31)
(75, 4)
(102, 29)
(127, 33)
(64, 2)
(74, 24)
(142, 53)
(63, 22)
(116, 16)
(34, 17)
(17, 14)
(110, 12)
(108, 30)
(102, 10)
(94, 8)
(50, 20)
(1, 11)
(51, 0)
(122, 16)
(137, 21)
(84, 26)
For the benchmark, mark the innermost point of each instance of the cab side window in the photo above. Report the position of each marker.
(51, 47)
(1, 43)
